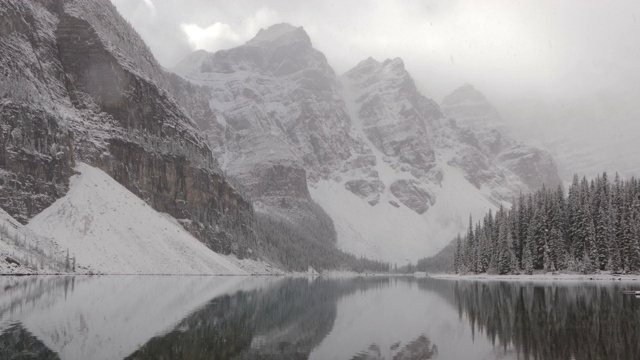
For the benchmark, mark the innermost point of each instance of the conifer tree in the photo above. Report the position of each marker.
(470, 249)
(457, 256)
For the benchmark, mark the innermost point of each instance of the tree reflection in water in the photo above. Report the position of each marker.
(550, 321)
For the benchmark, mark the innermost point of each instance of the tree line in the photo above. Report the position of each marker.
(596, 227)
(296, 246)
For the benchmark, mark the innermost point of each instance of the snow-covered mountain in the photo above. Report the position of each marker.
(362, 160)
(396, 175)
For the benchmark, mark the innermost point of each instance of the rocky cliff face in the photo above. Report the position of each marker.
(276, 120)
(82, 85)
(395, 174)
(36, 148)
(471, 110)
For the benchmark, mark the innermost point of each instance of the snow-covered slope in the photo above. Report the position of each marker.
(112, 231)
(24, 252)
(393, 231)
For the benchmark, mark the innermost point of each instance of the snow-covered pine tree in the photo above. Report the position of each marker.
(634, 233)
(482, 250)
(504, 254)
(470, 249)
(457, 255)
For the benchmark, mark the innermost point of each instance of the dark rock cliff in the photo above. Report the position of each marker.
(106, 104)
(36, 148)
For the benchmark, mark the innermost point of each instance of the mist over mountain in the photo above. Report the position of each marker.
(586, 134)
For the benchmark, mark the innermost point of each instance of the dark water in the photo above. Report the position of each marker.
(300, 318)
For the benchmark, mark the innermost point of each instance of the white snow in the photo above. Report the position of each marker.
(35, 254)
(110, 230)
(400, 234)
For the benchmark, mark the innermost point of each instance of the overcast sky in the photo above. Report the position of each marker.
(505, 48)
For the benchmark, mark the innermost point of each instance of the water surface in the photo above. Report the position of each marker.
(164, 317)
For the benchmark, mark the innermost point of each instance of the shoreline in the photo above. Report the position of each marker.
(541, 277)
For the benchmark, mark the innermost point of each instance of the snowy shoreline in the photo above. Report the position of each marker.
(541, 277)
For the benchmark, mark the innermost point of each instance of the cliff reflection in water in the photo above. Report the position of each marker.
(285, 321)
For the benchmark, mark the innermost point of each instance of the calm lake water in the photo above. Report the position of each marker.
(164, 317)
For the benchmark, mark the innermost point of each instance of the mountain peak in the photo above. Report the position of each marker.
(280, 34)
(464, 93)
(371, 65)
(470, 107)
(397, 62)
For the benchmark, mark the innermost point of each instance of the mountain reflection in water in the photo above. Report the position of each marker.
(313, 318)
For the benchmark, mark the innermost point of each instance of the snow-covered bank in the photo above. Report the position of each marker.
(24, 252)
(541, 277)
(111, 231)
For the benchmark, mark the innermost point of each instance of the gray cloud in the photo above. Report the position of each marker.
(551, 48)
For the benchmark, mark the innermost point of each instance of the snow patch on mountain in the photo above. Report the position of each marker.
(392, 231)
(112, 231)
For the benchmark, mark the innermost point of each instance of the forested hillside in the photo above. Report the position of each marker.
(595, 228)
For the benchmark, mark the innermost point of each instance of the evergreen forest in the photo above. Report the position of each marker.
(595, 227)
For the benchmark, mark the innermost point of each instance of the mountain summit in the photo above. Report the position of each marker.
(470, 107)
(280, 34)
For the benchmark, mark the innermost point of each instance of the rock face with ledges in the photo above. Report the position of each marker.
(394, 116)
(277, 121)
(91, 90)
(36, 147)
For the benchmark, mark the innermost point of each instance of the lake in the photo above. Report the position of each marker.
(166, 317)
